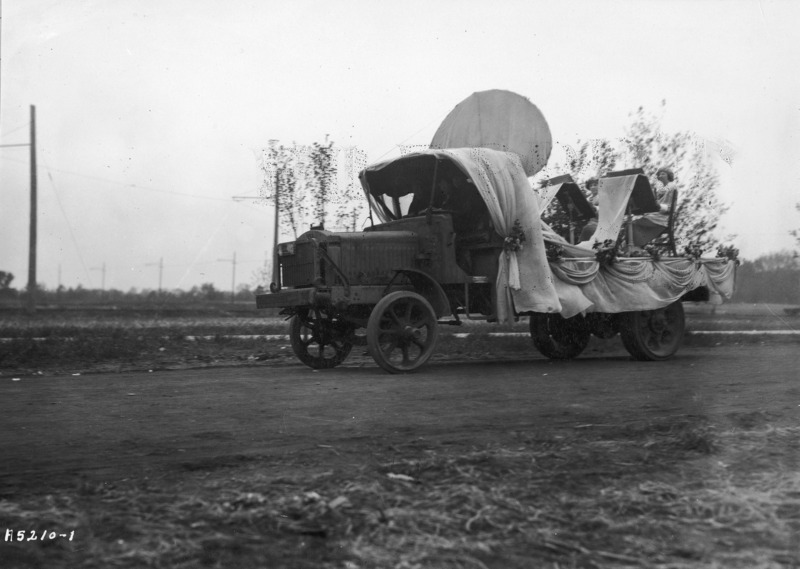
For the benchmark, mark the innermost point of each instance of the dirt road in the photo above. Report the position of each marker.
(54, 430)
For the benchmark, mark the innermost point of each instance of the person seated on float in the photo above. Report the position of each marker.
(591, 187)
(650, 225)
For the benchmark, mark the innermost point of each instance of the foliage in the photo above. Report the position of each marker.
(646, 145)
(554, 252)
(606, 252)
(323, 180)
(593, 159)
(693, 251)
(728, 252)
(284, 169)
(5, 280)
(780, 271)
(699, 208)
(311, 183)
(515, 240)
(5, 285)
(796, 232)
(653, 251)
(351, 204)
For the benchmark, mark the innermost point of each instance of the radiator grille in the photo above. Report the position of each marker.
(373, 261)
(298, 269)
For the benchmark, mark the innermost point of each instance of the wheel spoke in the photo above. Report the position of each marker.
(406, 361)
(419, 322)
(419, 343)
(388, 350)
(409, 307)
(391, 312)
(320, 340)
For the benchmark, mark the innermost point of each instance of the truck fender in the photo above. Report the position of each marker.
(425, 285)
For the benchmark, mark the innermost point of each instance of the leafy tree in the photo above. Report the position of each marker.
(796, 232)
(5, 280)
(593, 159)
(5, 285)
(646, 145)
(209, 292)
(350, 202)
(699, 207)
(314, 183)
(323, 168)
(284, 169)
(780, 269)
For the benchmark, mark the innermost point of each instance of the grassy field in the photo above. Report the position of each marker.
(96, 339)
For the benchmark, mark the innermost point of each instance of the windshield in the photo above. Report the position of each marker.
(410, 185)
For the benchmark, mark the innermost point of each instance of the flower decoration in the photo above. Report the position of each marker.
(605, 252)
(554, 252)
(728, 252)
(693, 251)
(515, 240)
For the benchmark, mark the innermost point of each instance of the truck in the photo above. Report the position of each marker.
(456, 234)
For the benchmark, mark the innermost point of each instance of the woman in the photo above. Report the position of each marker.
(650, 225)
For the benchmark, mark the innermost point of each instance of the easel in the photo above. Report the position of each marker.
(573, 200)
(642, 199)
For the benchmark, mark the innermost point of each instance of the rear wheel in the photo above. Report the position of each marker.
(319, 339)
(651, 335)
(559, 338)
(402, 332)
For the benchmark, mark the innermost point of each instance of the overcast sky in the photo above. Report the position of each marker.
(151, 113)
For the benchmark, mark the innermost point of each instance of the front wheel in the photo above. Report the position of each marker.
(320, 340)
(557, 337)
(652, 335)
(402, 332)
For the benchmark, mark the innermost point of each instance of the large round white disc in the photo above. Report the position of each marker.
(500, 120)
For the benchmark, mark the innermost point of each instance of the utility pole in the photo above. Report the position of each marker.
(275, 266)
(32, 228)
(32, 243)
(233, 280)
(103, 269)
(160, 271)
(277, 204)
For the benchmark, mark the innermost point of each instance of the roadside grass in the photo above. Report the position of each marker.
(664, 494)
(67, 325)
(85, 342)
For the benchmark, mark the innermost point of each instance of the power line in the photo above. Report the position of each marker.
(124, 184)
(13, 130)
(69, 226)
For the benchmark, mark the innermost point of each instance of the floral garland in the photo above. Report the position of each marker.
(554, 252)
(728, 252)
(693, 251)
(605, 252)
(515, 240)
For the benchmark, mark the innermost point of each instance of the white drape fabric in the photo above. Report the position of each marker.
(524, 281)
(636, 284)
(613, 194)
(546, 194)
